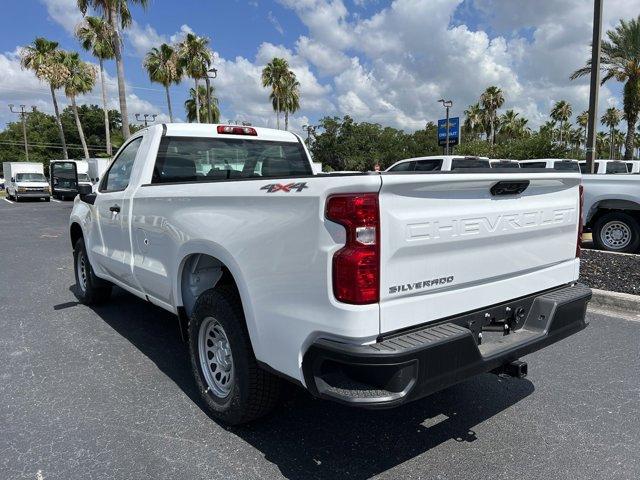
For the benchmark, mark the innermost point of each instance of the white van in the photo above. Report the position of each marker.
(97, 166)
(25, 180)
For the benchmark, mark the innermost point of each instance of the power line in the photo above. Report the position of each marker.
(53, 145)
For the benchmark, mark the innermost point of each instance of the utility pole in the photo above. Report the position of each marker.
(23, 116)
(595, 85)
(207, 79)
(447, 104)
(146, 116)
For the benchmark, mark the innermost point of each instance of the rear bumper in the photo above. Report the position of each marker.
(410, 365)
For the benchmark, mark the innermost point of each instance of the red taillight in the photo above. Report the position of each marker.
(237, 130)
(356, 267)
(580, 222)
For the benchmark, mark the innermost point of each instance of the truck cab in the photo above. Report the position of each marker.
(609, 167)
(439, 163)
(558, 164)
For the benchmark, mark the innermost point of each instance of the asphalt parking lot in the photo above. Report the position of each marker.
(107, 393)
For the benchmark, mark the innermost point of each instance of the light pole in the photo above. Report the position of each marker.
(146, 116)
(23, 116)
(447, 104)
(595, 84)
(309, 129)
(211, 74)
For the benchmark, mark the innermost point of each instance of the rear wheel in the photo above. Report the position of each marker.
(617, 232)
(90, 289)
(233, 386)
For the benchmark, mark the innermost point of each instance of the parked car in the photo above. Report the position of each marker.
(604, 167)
(633, 166)
(612, 211)
(369, 290)
(560, 164)
(439, 163)
(25, 180)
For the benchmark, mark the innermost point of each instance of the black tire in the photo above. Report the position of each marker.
(92, 290)
(254, 392)
(16, 198)
(605, 233)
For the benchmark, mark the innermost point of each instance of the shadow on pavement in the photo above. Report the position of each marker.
(309, 438)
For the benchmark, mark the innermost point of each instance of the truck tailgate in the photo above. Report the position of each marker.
(448, 245)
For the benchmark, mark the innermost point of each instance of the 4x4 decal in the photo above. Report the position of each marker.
(277, 187)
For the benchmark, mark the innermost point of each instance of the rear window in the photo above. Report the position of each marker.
(617, 167)
(583, 168)
(566, 166)
(461, 163)
(428, 165)
(505, 165)
(188, 159)
(534, 165)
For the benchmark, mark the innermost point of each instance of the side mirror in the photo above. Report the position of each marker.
(86, 194)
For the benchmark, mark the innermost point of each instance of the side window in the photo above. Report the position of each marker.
(534, 165)
(403, 167)
(117, 178)
(428, 165)
(616, 167)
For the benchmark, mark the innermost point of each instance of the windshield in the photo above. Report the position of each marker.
(30, 177)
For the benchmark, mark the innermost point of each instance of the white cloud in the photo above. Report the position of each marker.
(64, 12)
(274, 21)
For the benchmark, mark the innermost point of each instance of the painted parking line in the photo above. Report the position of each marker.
(55, 200)
(8, 201)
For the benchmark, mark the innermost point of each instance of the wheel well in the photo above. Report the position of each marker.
(76, 233)
(614, 206)
(200, 273)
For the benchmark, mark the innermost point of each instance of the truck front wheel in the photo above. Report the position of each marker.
(617, 232)
(233, 386)
(90, 289)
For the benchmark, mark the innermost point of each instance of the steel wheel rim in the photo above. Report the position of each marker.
(616, 235)
(82, 271)
(216, 360)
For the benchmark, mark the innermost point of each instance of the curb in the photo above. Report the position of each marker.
(615, 300)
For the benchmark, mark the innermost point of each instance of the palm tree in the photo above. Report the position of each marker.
(548, 128)
(82, 78)
(561, 112)
(492, 99)
(601, 143)
(274, 75)
(163, 66)
(583, 122)
(289, 97)
(611, 119)
(97, 36)
(195, 59)
(575, 138)
(117, 15)
(201, 102)
(475, 117)
(44, 58)
(510, 124)
(620, 59)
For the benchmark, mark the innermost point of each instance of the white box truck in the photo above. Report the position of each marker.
(25, 180)
(97, 167)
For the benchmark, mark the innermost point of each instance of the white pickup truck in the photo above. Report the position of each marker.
(367, 289)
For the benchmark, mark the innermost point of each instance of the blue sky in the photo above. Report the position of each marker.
(375, 60)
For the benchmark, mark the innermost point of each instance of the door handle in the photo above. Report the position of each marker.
(115, 209)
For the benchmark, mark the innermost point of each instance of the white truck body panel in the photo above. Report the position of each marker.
(450, 227)
(279, 246)
(619, 192)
